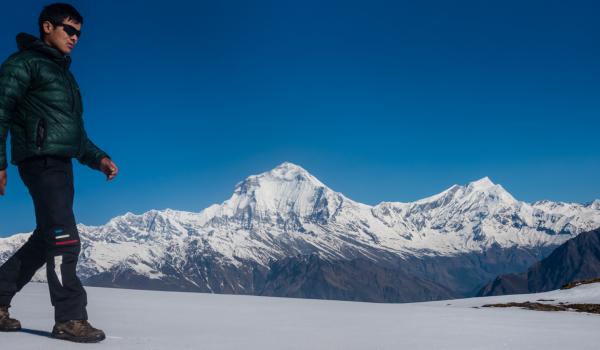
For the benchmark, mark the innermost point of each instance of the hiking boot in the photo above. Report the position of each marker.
(80, 331)
(8, 324)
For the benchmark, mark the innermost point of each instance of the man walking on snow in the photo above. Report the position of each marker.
(41, 105)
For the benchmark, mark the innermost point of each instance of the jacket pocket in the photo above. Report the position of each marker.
(40, 133)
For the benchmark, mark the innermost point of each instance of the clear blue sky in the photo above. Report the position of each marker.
(381, 100)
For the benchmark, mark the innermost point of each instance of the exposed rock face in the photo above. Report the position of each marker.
(576, 259)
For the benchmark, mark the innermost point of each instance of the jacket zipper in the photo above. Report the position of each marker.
(68, 74)
(40, 133)
(73, 104)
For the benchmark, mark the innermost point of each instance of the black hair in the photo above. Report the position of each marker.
(56, 13)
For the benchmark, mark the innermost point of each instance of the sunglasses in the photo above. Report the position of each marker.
(70, 30)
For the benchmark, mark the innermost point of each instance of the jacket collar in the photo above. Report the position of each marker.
(29, 42)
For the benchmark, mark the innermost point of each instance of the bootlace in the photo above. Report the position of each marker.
(84, 325)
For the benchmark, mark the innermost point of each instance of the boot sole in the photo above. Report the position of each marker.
(65, 336)
(10, 329)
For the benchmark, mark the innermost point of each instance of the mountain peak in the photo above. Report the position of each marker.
(486, 187)
(482, 183)
(289, 171)
(289, 166)
(285, 172)
(287, 188)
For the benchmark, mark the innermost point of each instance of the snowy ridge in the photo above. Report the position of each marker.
(287, 211)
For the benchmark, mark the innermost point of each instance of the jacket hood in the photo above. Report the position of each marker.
(29, 42)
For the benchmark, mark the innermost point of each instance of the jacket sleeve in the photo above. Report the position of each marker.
(92, 154)
(15, 77)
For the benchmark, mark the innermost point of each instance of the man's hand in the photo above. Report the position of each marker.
(109, 168)
(3, 180)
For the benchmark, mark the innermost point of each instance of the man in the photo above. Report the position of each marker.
(41, 105)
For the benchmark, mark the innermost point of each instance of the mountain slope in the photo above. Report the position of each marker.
(576, 259)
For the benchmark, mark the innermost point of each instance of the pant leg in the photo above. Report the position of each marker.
(66, 291)
(18, 270)
(50, 182)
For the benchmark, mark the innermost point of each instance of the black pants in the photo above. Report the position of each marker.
(55, 240)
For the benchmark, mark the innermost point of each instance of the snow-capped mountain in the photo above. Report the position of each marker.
(278, 221)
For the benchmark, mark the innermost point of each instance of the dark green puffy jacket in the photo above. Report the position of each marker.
(41, 105)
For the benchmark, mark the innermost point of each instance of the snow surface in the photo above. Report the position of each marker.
(135, 319)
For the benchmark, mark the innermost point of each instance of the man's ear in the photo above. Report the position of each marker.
(47, 26)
